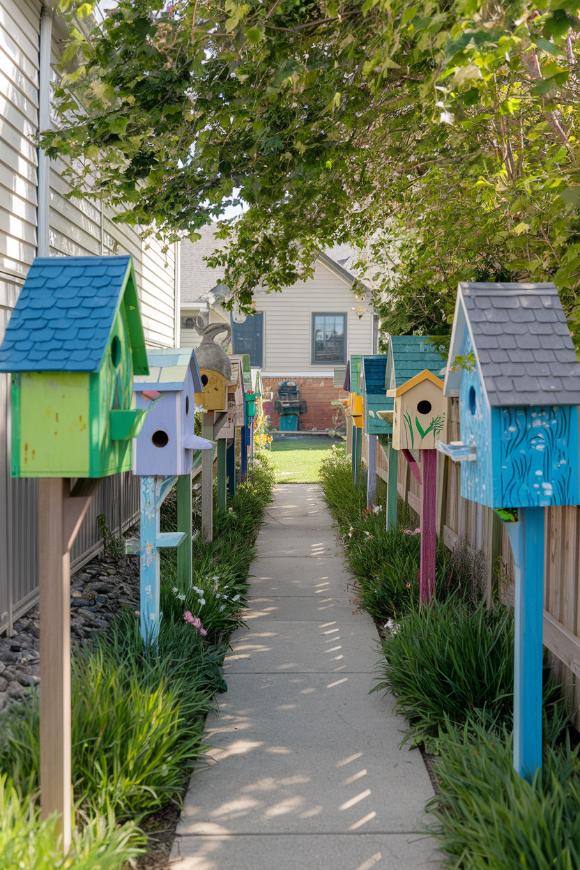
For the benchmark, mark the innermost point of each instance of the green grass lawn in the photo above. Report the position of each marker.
(297, 458)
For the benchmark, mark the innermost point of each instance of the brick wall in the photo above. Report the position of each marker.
(318, 393)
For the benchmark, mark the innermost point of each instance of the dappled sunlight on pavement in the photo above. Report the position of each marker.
(305, 767)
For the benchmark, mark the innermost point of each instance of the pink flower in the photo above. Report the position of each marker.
(411, 531)
(195, 621)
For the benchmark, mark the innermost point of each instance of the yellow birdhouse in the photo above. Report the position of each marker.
(215, 368)
(420, 412)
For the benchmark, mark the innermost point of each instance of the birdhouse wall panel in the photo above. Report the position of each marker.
(477, 478)
(158, 449)
(111, 388)
(420, 417)
(50, 424)
(214, 396)
(538, 456)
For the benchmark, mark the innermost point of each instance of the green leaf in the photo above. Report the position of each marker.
(571, 196)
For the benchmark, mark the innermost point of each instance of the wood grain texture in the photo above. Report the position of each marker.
(428, 525)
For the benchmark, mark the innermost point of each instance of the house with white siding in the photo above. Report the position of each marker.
(300, 335)
(37, 219)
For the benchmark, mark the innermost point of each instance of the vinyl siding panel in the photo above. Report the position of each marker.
(76, 227)
(19, 113)
(288, 322)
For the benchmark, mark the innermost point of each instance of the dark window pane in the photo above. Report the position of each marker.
(328, 338)
(248, 337)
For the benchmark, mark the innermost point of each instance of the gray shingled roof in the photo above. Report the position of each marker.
(523, 344)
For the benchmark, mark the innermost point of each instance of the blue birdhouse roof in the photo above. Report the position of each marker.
(521, 343)
(374, 374)
(65, 312)
(409, 355)
(168, 369)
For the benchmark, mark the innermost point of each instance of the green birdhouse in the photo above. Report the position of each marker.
(73, 344)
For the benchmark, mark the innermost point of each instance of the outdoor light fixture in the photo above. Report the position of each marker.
(359, 310)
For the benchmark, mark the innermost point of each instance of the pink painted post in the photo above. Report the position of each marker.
(428, 526)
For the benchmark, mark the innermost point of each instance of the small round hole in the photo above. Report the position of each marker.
(204, 379)
(186, 406)
(160, 438)
(116, 351)
(472, 400)
(424, 406)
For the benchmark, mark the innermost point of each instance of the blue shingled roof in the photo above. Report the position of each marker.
(411, 354)
(64, 314)
(374, 374)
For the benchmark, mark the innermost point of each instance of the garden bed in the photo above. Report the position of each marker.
(138, 714)
(449, 666)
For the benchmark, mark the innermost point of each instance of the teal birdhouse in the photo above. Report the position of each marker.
(73, 344)
(375, 400)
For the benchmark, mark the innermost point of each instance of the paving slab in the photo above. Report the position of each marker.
(315, 543)
(303, 754)
(283, 852)
(296, 646)
(301, 608)
(305, 767)
(300, 575)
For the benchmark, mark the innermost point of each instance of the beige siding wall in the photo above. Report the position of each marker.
(288, 322)
(76, 226)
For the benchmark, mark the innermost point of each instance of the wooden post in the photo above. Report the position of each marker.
(231, 466)
(207, 479)
(527, 540)
(149, 591)
(356, 453)
(428, 525)
(372, 471)
(392, 494)
(184, 524)
(60, 515)
(222, 492)
(349, 433)
(245, 437)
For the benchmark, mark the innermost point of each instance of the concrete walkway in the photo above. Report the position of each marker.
(306, 768)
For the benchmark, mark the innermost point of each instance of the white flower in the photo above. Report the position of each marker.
(236, 598)
(392, 627)
(377, 508)
(201, 602)
(181, 596)
(175, 590)
(222, 608)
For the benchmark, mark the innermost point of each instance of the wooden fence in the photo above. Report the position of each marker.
(462, 523)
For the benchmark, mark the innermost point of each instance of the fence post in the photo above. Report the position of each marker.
(184, 524)
(372, 471)
(222, 474)
(392, 493)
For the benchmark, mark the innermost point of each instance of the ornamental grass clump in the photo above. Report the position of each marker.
(137, 723)
(450, 661)
(489, 817)
(26, 841)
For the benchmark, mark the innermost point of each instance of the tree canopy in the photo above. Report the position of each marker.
(440, 134)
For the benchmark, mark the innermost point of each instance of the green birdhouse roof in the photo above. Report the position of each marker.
(410, 354)
(65, 313)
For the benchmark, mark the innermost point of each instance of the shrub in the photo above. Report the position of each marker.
(137, 723)
(487, 816)
(27, 841)
(450, 661)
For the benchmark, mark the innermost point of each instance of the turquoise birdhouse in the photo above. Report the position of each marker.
(375, 399)
(514, 368)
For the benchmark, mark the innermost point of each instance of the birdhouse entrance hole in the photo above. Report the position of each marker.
(160, 438)
(424, 406)
(116, 351)
(204, 380)
(472, 400)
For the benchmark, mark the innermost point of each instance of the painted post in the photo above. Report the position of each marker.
(244, 452)
(222, 492)
(184, 524)
(372, 471)
(231, 466)
(356, 452)
(428, 525)
(149, 590)
(207, 479)
(527, 540)
(393, 456)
